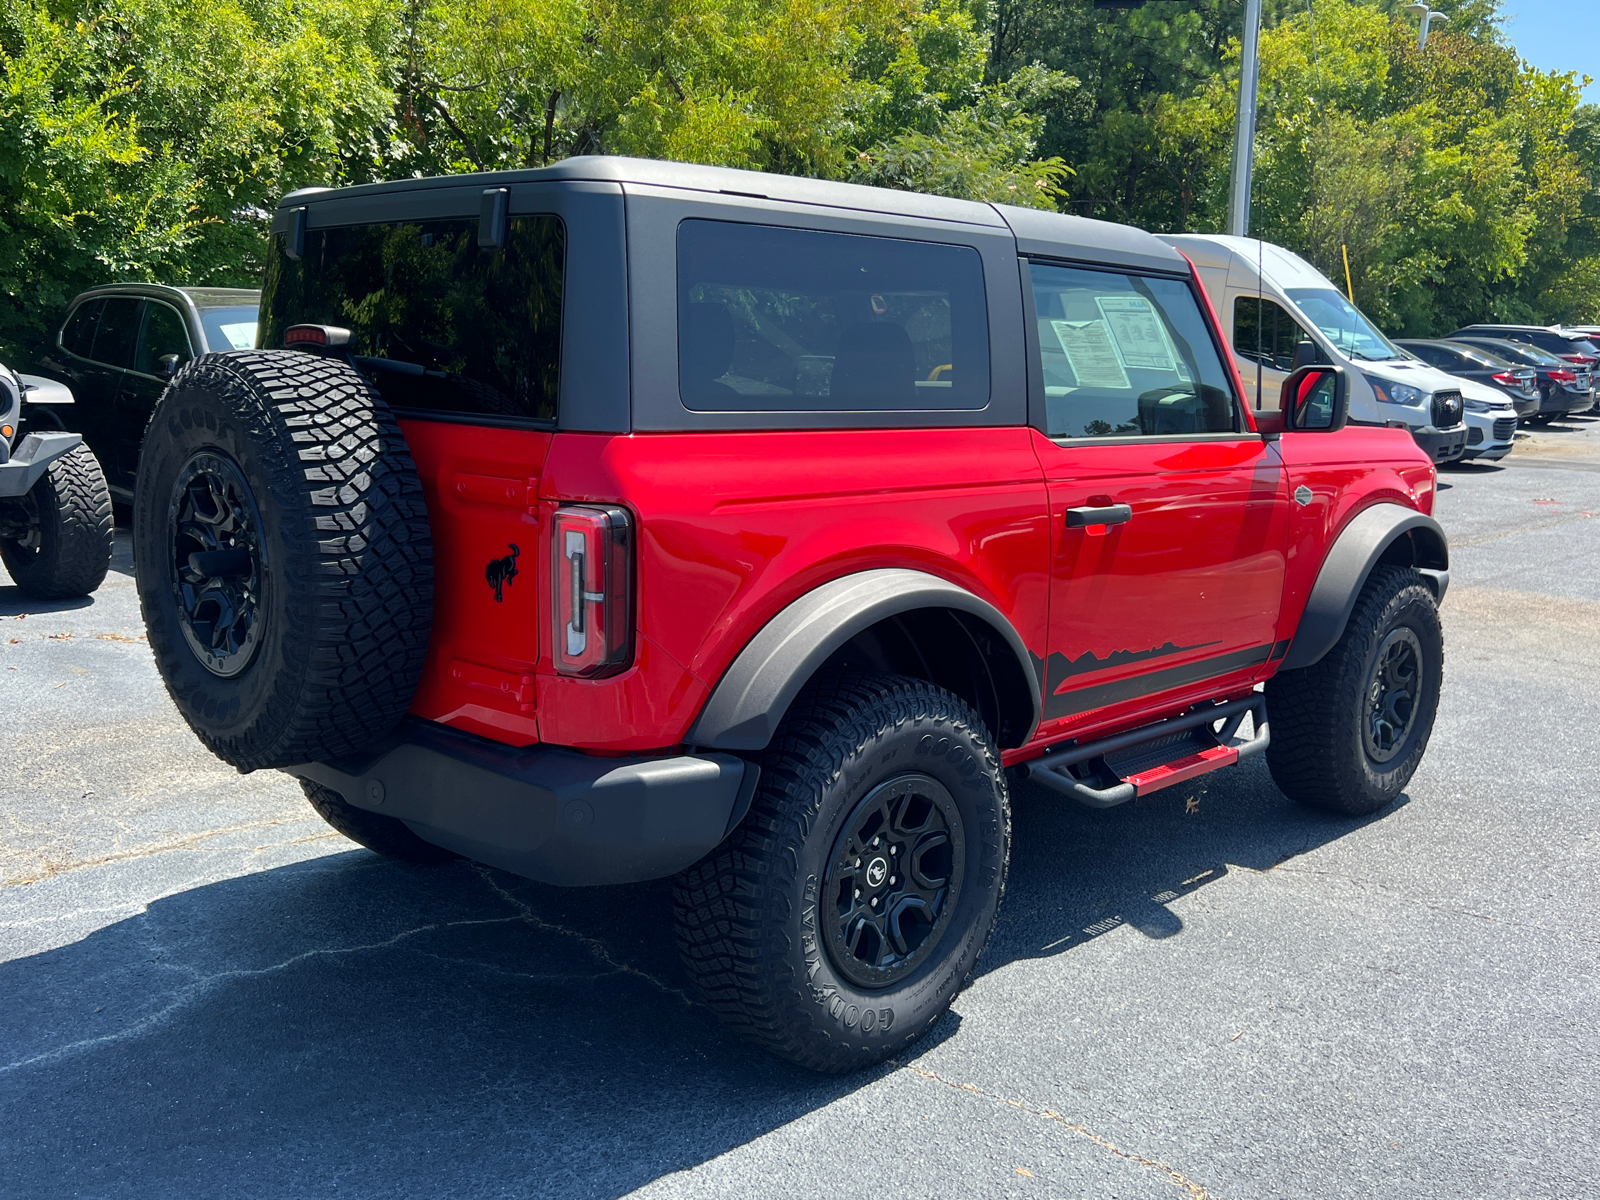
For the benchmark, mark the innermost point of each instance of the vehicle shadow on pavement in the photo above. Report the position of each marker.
(353, 1026)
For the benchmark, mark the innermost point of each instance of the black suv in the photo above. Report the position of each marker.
(120, 344)
(1564, 387)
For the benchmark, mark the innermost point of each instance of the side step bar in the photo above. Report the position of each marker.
(1158, 756)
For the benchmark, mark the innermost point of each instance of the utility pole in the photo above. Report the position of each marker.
(1244, 134)
(1425, 15)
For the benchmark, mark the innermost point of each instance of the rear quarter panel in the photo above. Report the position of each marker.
(734, 526)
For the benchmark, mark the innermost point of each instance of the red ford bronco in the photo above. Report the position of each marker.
(622, 520)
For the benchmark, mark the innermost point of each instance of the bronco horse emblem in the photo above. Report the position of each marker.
(501, 571)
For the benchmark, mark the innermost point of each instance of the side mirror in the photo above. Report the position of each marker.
(1315, 399)
(167, 366)
(1305, 354)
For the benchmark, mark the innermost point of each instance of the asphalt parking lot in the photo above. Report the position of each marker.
(204, 991)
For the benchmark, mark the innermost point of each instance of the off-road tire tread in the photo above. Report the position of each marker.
(389, 836)
(359, 549)
(71, 494)
(1310, 756)
(731, 905)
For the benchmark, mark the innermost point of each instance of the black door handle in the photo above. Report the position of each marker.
(1112, 514)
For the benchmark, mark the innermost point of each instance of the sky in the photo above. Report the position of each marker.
(1556, 35)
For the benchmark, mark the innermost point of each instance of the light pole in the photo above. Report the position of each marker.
(1425, 15)
(1244, 131)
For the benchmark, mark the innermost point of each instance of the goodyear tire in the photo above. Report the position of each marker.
(1349, 731)
(849, 908)
(283, 557)
(61, 548)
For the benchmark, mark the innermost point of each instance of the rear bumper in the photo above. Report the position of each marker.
(547, 813)
(31, 459)
(1441, 446)
(1559, 401)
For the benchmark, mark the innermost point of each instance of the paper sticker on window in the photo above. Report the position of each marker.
(1090, 354)
(1138, 332)
(241, 336)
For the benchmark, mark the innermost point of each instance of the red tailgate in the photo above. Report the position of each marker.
(482, 487)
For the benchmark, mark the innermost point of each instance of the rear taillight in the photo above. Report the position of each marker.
(1508, 379)
(1583, 360)
(1563, 376)
(591, 581)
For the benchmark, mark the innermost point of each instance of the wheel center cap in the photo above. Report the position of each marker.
(877, 872)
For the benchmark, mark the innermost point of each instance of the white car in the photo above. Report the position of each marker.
(1491, 421)
(1280, 312)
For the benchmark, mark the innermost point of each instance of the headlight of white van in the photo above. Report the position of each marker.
(1395, 393)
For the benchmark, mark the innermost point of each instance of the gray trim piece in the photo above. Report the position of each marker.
(1344, 572)
(1095, 243)
(32, 458)
(550, 814)
(756, 690)
(36, 389)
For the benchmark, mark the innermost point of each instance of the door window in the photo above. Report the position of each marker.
(1264, 333)
(77, 335)
(773, 319)
(1126, 356)
(163, 334)
(118, 331)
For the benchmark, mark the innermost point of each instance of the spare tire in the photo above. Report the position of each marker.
(283, 556)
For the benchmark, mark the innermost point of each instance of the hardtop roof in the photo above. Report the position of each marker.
(1036, 231)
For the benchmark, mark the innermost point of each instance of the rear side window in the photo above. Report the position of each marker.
(787, 320)
(230, 328)
(1126, 356)
(118, 330)
(438, 323)
(77, 335)
(1264, 333)
(163, 334)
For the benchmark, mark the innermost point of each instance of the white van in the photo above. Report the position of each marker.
(1280, 312)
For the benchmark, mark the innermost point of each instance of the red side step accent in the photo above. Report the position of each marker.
(1183, 769)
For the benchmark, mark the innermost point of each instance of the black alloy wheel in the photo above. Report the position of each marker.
(218, 558)
(1392, 694)
(894, 879)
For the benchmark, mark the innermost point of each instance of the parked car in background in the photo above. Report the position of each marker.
(118, 346)
(1280, 313)
(1517, 380)
(1564, 388)
(1568, 344)
(1491, 421)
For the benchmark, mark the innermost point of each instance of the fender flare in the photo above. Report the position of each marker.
(1349, 562)
(756, 690)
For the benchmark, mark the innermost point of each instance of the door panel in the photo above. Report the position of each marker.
(1180, 597)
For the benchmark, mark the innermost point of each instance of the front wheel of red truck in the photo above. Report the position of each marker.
(1349, 731)
(849, 908)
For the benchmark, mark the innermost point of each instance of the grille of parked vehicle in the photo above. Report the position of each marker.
(1504, 428)
(1446, 409)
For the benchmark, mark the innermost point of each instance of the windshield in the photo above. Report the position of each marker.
(1342, 324)
(231, 328)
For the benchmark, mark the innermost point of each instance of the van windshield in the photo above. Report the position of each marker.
(1343, 324)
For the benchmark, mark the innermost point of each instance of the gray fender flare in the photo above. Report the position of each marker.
(756, 690)
(1350, 560)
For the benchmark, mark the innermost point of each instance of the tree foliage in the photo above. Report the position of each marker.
(150, 139)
